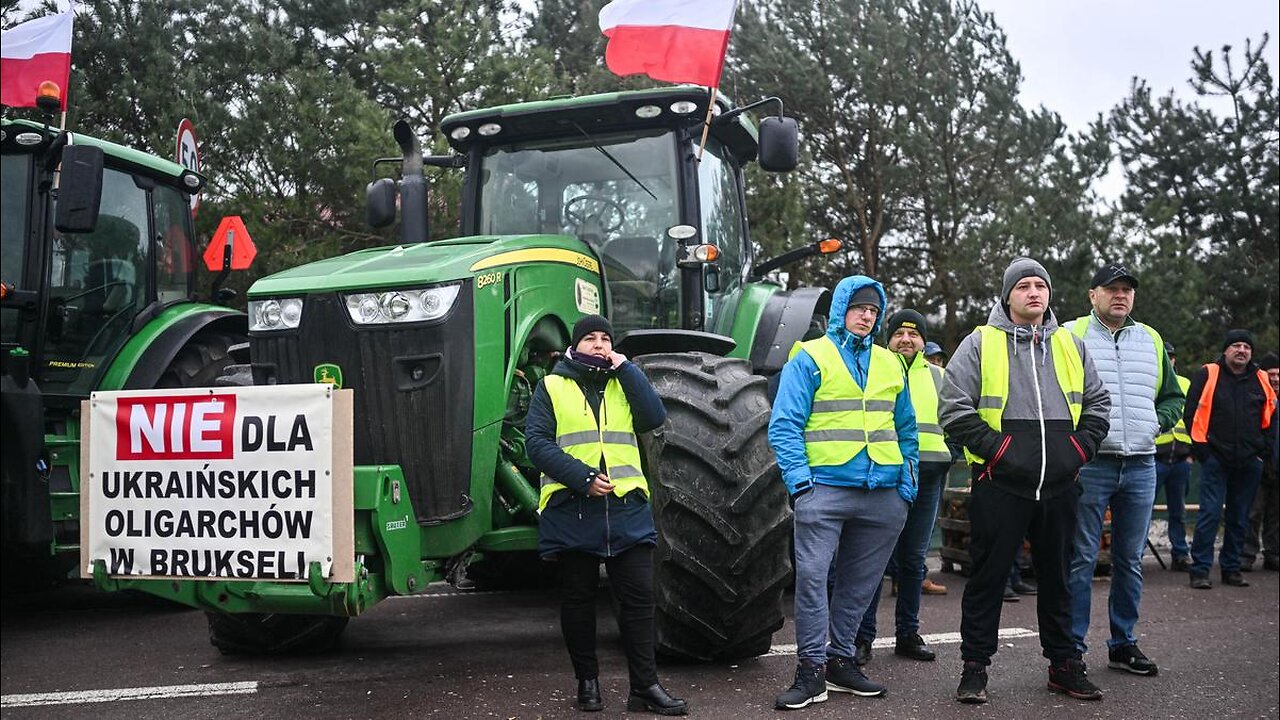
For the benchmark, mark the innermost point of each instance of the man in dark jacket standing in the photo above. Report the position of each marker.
(1229, 409)
(1264, 516)
(1024, 398)
(582, 428)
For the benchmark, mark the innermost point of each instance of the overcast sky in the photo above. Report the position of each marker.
(1078, 56)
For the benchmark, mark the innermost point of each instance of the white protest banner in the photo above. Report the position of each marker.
(248, 483)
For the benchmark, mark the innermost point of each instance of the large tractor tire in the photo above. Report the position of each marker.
(273, 634)
(200, 362)
(724, 526)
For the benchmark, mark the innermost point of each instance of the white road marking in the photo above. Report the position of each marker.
(141, 693)
(949, 638)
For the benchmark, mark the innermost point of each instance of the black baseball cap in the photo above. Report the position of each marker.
(1112, 272)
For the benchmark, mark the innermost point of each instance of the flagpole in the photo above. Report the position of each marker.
(706, 124)
(66, 93)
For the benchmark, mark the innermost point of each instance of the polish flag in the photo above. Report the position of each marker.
(671, 40)
(31, 53)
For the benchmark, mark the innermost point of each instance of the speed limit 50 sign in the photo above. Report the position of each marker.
(188, 154)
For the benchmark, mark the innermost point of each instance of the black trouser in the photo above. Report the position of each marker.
(998, 522)
(1264, 519)
(631, 582)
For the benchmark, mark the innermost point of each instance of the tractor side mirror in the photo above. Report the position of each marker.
(79, 189)
(779, 144)
(380, 202)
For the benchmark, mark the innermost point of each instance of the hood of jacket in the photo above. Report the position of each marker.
(844, 291)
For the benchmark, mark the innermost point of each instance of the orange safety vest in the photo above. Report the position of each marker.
(1200, 423)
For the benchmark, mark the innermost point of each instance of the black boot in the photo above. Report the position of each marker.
(656, 699)
(589, 695)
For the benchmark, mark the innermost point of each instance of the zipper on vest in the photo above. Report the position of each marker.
(1124, 431)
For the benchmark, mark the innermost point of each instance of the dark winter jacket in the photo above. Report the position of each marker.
(603, 526)
(1235, 436)
(1036, 454)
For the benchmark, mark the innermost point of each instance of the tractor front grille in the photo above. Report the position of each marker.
(413, 388)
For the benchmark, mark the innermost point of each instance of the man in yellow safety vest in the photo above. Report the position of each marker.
(1023, 397)
(844, 432)
(907, 331)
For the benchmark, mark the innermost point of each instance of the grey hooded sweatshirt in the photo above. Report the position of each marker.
(1037, 453)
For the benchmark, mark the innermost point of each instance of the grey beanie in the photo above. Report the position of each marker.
(1022, 267)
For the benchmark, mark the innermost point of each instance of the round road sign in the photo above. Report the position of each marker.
(188, 154)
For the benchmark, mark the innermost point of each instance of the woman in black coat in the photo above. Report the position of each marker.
(587, 521)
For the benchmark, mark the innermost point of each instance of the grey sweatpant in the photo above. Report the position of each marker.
(857, 527)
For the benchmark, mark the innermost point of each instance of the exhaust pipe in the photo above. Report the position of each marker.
(413, 187)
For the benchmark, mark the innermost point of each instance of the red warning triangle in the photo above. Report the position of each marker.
(231, 230)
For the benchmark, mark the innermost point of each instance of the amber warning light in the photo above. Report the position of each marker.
(829, 246)
(49, 97)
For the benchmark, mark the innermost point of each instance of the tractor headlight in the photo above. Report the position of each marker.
(402, 306)
(275, 314)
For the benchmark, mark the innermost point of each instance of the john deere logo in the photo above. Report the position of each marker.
(330, 374)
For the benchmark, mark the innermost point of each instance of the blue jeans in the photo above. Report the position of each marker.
(1235, 487)
(906, 563)
(1174, 477)
(858, 528)
(1128, 485)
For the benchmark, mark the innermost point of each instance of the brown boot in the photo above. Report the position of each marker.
(929, 587)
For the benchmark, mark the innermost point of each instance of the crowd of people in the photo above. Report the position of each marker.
(1058, 424)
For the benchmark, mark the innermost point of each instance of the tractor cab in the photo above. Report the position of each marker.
(97, 284)
(76, 282)
(624, 173)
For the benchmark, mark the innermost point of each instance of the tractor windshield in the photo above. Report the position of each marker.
(615, 193)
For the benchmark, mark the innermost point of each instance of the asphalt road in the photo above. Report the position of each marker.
(499, 655)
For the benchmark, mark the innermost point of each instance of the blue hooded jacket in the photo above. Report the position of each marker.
(794, 403)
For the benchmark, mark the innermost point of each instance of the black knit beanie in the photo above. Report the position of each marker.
(907, 318)
(588, 325)
(1235, 336)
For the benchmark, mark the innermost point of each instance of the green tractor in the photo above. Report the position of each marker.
(599, 204)
(97, 264)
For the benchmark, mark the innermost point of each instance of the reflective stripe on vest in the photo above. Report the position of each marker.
(1179, 431)
(1068, 367)
(581, 437)
(924, 379)
(846, 418)
(1200, 423)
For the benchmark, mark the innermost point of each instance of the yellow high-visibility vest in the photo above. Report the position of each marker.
(846, 418)
(1179, 431)
(1068, 366)
(582, 437)
(924, 380)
